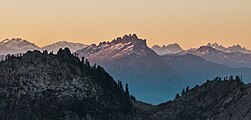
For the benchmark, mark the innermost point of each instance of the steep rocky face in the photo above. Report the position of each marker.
(46, 86)
(117, 49)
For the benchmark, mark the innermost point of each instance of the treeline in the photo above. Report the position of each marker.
(237, 78)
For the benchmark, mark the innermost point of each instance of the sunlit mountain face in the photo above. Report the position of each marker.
(18, 45)
(150, 75)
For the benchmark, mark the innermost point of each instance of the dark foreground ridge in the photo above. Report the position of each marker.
(39, 85)
(47, 86)
(214, 100)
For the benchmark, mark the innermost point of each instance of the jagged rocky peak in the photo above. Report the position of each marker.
(214, 44)
(237, 48)
(130, 38)
(217, 46)
(206, 49)
(230, 49)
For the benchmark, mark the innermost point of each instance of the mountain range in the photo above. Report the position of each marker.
(151, 75)
(42, 85)
(154, 78)
(18, 45)
(233, 56)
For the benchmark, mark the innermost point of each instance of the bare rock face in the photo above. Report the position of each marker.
(47, 86)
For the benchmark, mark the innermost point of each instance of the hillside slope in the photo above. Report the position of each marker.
(214, 100)
(47, 86)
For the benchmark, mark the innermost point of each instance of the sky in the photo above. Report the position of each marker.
(190, 23)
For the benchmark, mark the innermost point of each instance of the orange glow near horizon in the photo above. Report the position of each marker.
(190, 23)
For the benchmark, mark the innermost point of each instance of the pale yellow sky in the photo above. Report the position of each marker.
(190, 23)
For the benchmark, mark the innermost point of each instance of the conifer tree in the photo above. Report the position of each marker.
(187, 89)
(87, 63)
(231, 78)
(237, 78)
(177, 96)
(183, 92)
(127, 91)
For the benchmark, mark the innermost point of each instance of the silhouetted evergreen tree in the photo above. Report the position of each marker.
(132, 97)
(187, 89)
(60, 51)
(231, 78)
(94, 66)
(127, 91)
(237, 78)
(183, 92)
(83, 59)
(45, 52)
(177, 96)
(120, 85)
(87, 63)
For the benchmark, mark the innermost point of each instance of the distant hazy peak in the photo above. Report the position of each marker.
(230, 49)
(206, 49)
(63, 44)
(9, 42)
(167, 49)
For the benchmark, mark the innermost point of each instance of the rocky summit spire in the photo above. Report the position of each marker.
(133, 38)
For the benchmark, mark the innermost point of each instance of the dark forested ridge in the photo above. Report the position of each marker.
(47, 86)
(214, 100)
(38, 85)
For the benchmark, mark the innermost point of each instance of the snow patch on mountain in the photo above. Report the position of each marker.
(120, 47)
(16, 45)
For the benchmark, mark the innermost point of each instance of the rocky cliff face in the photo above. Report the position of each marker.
(47, 86)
